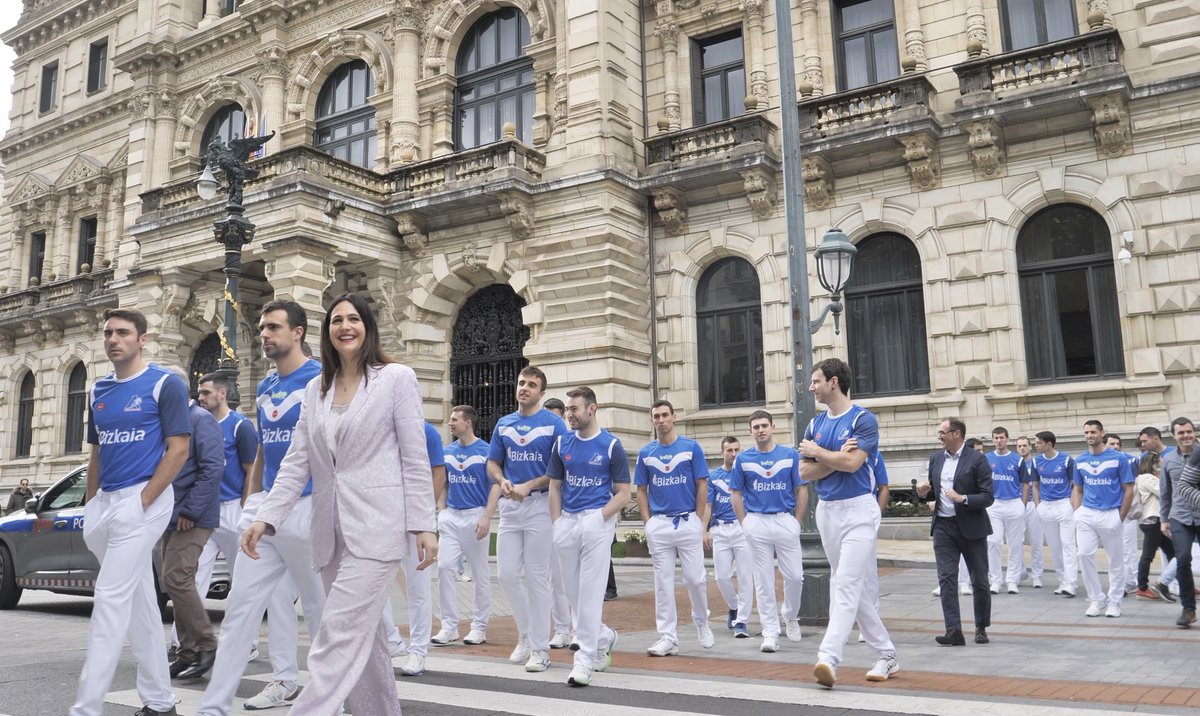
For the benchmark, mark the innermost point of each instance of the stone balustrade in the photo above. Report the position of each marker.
(1056, 63)
(468, 167)
(717, 140)
(879, 104)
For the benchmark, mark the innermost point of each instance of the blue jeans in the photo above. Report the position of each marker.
(1182, 536)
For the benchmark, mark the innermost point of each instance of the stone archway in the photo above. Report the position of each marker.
(205, 360)
(487, 354)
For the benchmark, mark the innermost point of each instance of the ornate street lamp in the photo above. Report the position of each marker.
(835, 259)
(233, 232)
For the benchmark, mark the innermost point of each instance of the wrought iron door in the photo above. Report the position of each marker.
(206, 360)
(486, 355)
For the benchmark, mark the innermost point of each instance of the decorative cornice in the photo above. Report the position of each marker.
(46, 21)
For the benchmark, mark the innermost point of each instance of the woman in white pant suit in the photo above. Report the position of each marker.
(361, 436)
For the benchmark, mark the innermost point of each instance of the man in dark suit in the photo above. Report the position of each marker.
(960, 486)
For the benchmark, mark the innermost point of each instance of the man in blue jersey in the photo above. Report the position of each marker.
(724, 536)
(882, 495)
(1007, 514)
(1101, 496)
(671, 475)
(770, 499)
(1053, 473)
(1129, 528)
(464, 523)
(288, 552)
(517, 460)
(138, 429)
(1151, 440)
(1034, 533)
(589, 486)
(847, 516)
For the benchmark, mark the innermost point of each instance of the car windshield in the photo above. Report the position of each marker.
(66, 494)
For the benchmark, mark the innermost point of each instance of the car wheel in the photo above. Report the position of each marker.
(10, 593)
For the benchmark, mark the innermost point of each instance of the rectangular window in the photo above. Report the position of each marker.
(97, 78)
(867, 51)
(87, 241)
(37, 253)
(1028, 23)
(49, 95)
(718, 77)
(228, 7)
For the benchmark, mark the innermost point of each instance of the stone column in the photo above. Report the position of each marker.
(300, 269)
(59, 242)
(272, 75)
(17, 261)
(812, 80)
(668, 34)
(757, 86)
(164, 135)
(914, 40)
(212, 10)
(406, 120)
(103, 217)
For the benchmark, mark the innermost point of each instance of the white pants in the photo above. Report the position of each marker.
(731, 554)
(1093, 528)
(777, 536)
(122, 536)
(418, 591)
(456, 529)
(1129, 538)
(583, 548)
(562, 620)
(523, 549)
(849, 529)
(1037, 540)
(1058, 522)
(668, 538)
(255, 583)
(1008, 525)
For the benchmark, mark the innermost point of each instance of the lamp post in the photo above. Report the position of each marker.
(233, 232)
(834, 262)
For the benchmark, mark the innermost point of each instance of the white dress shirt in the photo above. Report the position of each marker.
(949, 466)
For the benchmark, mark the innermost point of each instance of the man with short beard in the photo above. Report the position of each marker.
(1179, 517)
(1033, 523)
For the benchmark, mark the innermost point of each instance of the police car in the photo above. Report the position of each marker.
(43, 548)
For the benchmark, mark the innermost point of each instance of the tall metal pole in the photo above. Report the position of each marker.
(815, 601)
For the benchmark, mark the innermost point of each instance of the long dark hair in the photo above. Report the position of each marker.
(370, 355)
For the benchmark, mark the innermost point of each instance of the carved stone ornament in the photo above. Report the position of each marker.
(922, 160)
(759, 184)
(818, 181)
(272, 62)
(411, 228)
(977, 34)
(33, 331)
(518, 210)
(407, 15)
(52, 330)
(986, 141)
(7, 343)
(671, 205)
(1110, 118)
(1098, 17)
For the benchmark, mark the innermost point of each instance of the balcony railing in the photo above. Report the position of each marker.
(53, 298)
(18, 303)
(711, 141)
(1055, 64)
(904, 98)
(468, 168)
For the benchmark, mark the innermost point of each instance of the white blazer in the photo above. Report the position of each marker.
(381, 479)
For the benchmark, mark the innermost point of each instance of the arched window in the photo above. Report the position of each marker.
(885, 318)
(76, 409)
(729, 335)
(495, 80)
(228, 123)
(486, 355)
(205, 360)
(345, 119)
(1069, 295)
(25, 417)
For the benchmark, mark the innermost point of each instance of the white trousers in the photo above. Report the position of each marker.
(122, 536)
(523, 548)
(456, 530)
(849, 530)
(775, 536)
(732, 555)
(255, 583)
(562, 620)
(1093, 528)
(1037, 540)
(1058, 522)
(583, 548)
(418, 591)
(668, 538)
(1129, 538)
(1008, 525)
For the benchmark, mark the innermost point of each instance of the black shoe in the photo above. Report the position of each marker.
(147, 711)
(199, 667)
(179, 665)
(1165, 591)
(1186, 618)
(981, 636)
(610, 594)
(952, 637)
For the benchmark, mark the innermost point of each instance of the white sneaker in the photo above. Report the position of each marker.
(770, 645)
(1093, 609)
(937, 591)
(885, 667)
(793, 630)
(1113, 611)
(253, 653)
(966, 590)
(663, 647)
(414, 665)
(994, 588)
(397, 649)
(580, 676)
(574, 642)
(861, 639)
(444, 637)
(520, 654)
(1012, 588)
(1037, 582)
(560, 641)
(704, 635)
(826, 674)
(464, 577)
(538, 661)
(606, 660)
(273, 694)
(476, 636)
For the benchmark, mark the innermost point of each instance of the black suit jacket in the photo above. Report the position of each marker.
(972, 478)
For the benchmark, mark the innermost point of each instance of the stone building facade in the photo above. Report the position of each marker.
(596, 188)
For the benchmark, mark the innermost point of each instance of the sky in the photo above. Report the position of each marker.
(10, 11)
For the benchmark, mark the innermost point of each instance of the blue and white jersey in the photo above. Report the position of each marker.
(878, 470)
(832, 433)
(670, 473)
(522, 444)
(767, 480)
(1006, 475)
(1102, 477)
(590, 468)
(467, 481)
(1054, 475)
(433, 446)
(241, 446)
(131, 419)
(720, 495)
(279, 401)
